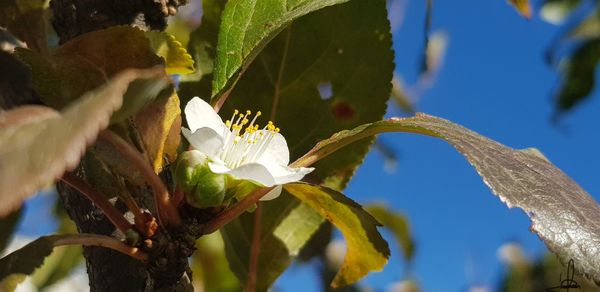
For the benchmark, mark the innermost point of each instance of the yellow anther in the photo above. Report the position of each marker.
(276, 130)
(258, 114)
(241, 115)
(244, 121)
(235, 112)
(248, 112)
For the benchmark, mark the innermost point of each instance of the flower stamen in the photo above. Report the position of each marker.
(248, 145)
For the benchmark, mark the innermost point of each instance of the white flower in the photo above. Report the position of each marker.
(240, 148)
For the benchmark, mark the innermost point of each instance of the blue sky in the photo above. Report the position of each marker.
(494, 81)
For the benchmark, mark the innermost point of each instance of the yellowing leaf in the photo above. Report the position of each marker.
(177, 59)
(522, 6)
(367, 251)
(37, 149)
(155, 124)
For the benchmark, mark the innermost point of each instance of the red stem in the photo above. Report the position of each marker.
(254, 251)
(99, 200)
(98, 240)
(235, 210)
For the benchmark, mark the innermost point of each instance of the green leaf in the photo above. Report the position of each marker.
(587, 28)
(317, 244)
(397, 224)
(203, 47)
(367, 251)
(7, 227)
(58, 266)
(176, 58)
(353, 56)
(247, 26)
(210, 267)
(37, 144)
(286, 226)
(86, 62)
(25, 260)
(62, 261)
(563, 215)
(578, 75)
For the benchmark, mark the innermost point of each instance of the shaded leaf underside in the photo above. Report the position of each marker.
(562, 213)
(36, 152)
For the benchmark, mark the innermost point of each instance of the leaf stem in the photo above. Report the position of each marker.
(167, 213)
(234, 211)
(218, 103)
(88, 239)
(138, 216)
(254, 251)
(99, 200)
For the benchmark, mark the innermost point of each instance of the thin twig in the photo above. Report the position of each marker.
(99, 200)
(235, 210)
(167, 213)
(254, 251)
(88, 239)
(138, 216)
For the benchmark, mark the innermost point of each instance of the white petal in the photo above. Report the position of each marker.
(285, 174)
(205, 140)
(218, 167)
(277, 151)
(200, 114)
(272, 194)
(252, 171)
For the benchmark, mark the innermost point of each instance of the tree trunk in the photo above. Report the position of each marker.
(109, 270)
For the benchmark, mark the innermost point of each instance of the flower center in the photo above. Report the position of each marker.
(244, 141)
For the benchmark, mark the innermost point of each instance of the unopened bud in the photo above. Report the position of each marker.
(202, 187)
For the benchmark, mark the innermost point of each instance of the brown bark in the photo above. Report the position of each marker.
(109, 270)
(75, 17)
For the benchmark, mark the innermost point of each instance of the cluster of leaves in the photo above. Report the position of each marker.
(576, 51)
(274, 56)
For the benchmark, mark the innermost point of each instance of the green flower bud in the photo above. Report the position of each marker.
(202, 187)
